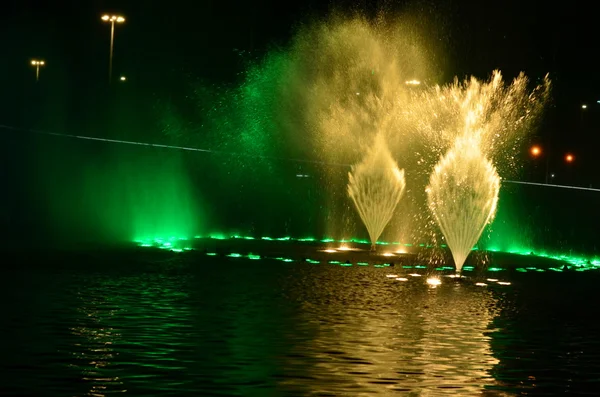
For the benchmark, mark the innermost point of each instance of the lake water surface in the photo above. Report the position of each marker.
(208, 326)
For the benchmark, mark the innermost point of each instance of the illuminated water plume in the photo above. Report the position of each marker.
(498, 113)
(463, 195)
(376, 185)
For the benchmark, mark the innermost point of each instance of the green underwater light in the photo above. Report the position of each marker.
(178, 244)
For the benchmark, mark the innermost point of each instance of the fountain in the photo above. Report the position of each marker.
(376, 185)
(343, 83)
(462, 195)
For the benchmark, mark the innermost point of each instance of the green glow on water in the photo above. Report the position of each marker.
(284, 259)
(234, 255)
(314, 262)
(362, 264)
(253, 257)
(176, 244)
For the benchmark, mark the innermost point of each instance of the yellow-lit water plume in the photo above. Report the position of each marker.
(463, 196)
(376, 185)
(344, 83)
(498, 113)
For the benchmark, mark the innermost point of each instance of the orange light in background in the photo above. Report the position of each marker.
(535, 151)
(569, 158)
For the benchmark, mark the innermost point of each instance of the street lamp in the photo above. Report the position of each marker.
(37, 65)
(112, 19)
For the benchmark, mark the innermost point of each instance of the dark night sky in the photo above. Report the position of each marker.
(163, 40)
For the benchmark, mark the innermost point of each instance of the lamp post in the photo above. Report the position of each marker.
(112, 19)
(37, 65)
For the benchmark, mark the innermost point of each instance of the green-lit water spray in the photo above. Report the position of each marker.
(376, 185)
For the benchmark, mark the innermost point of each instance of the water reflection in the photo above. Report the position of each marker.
(378, 335)
(128, 333)
(92, 348)
(258, 328)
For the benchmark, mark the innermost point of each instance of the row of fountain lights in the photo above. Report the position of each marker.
(112, 19)
(174, 244)
(432, 281)
(435, 281)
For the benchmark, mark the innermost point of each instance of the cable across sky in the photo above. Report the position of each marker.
(192, 149)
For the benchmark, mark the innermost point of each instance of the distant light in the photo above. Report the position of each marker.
(434, 281)
(123, 78)
(113, 18)
(388, 254)
(415, 275)
(480, 284)
(392, 276)
(344, 248)
(551, 175)
(569, 158)
(584, 106)
(413, 82)
(401, 279)
(597, 101)
(536, 151)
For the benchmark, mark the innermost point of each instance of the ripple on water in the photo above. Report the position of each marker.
(266, 329)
